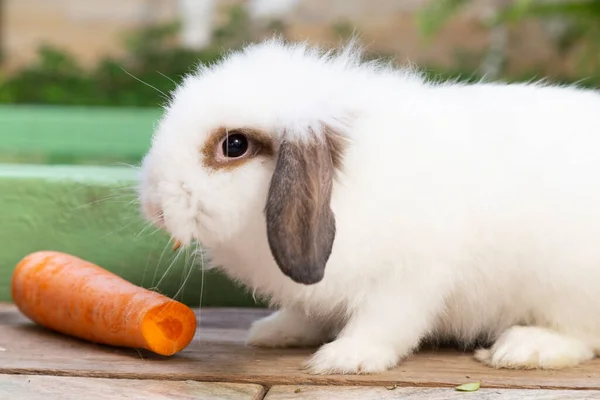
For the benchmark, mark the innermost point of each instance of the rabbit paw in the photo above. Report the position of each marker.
(530, 347)
(285, 329)
(351, 356)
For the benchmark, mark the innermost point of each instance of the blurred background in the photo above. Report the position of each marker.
(115, 53)
(82, 82)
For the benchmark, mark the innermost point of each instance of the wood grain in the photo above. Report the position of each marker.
(218, 354)
(34, 387)
(381, 393)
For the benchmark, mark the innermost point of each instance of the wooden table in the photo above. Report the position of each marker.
(39, 364)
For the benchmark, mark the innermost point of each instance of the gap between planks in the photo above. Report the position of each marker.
(268, 382)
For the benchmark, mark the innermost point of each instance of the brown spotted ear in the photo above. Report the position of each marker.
(300, 222)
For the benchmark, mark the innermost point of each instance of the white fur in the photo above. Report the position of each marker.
(462, 210)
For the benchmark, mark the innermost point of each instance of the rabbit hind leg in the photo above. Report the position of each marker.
(533, 347)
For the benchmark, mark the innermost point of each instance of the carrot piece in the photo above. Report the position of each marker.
(77, 298)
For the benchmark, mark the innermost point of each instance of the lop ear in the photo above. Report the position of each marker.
(300, 223)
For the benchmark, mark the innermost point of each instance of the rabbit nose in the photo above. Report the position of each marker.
(176, 244)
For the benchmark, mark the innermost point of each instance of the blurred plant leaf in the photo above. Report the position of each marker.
(343, 29)
(585, 14)
(235, 31)
(469, 387)
(436, 13)
(519, 9)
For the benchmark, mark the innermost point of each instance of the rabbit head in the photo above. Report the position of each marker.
(253, 144)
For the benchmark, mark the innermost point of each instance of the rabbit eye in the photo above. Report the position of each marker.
(235, 145)
(230, 148)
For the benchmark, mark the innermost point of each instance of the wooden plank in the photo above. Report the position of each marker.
(92, 213)
(34, 387)
(218, 354)
(383, 393)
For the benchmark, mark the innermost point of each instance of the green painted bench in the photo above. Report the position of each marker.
(75, 135)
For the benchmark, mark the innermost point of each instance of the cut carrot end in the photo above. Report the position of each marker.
(168, 328)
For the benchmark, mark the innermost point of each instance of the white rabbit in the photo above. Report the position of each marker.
(377, 209)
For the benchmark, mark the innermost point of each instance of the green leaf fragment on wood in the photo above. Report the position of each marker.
(297, 390)
(469, 387)
(391, 387)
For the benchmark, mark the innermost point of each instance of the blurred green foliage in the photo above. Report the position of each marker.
(153, 63)
(582, 19)
(150, 68)
(436, 13)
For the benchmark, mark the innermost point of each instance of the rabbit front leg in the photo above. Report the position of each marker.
(286, 328)
(381, 332)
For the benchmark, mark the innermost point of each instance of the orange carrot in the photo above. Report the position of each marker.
(77, 298)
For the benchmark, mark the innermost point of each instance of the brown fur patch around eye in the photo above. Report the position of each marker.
(261, 145)
(300, 223)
